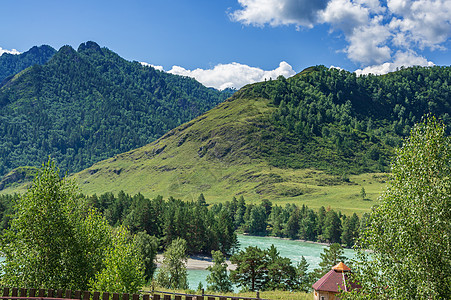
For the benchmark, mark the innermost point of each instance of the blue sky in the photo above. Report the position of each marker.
(228, 43)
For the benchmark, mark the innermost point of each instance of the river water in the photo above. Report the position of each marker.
(294, 250)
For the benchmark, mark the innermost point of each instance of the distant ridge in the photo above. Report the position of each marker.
(83, 106)
(11, 64)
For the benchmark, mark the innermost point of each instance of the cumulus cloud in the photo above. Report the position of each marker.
(159, 68)
(13, 51)
(233, 75)
(278, 12)
(401, 59)
(378, 33)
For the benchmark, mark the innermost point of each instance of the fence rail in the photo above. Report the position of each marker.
(164, 295)
(50, 294)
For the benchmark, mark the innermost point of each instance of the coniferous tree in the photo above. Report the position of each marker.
(329, 258)
(218, 280)
(304, 277)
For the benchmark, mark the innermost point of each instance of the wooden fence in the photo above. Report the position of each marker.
(162, 295)
(49, 294)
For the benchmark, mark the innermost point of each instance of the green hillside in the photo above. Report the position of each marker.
(11, 64)
(87, 105)
(316, 138)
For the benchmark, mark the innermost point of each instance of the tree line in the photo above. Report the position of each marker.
(214, 227)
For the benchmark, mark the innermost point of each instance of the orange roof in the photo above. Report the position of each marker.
(341, 267)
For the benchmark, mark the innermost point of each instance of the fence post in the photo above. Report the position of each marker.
(135, 297)
(86, 295)
(95, 296)
(23, 292)
(5, 292)
(115, 296)
(14, 293)
(68, 294)
(33, 293)
(146, 297)
(41, 293)
(166, 297)
(178, 297)
(258, 295)
(50, 293)
(106, 296)
(125, 296)
(156, 296)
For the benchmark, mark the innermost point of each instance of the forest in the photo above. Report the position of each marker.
(334, 120)
(87, 105)
(214, 227)
(11, 64)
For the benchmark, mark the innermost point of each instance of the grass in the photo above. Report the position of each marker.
(212, 155)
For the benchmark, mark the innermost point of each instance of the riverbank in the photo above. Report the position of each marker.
(197, 262)
(201, 262)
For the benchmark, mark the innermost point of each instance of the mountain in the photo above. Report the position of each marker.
(87, 105)
(316, 138)
(11, 64)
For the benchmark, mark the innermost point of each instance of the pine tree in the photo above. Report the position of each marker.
(218, 279)
(329, 258)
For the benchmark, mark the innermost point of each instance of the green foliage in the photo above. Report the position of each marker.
(305, 279)
(88, 105)
(53, 237)
(363, 193)
(11, 64)
(332, 120)
(172, 274)
(281, 274)
(123, 270)
(409, 233)
(218, 279)
(147, 246)
(265, 270)
(250, 272)
(329, 258)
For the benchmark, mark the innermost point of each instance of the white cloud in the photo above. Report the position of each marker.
(421, 23)
(278, 12)
(376, 31)
(344, 15)
(13, 51)
(159, 68)
(368, 43)
(233, 75)
(401, 59)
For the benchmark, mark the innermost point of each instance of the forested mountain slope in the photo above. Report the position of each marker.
(11, 64)
(87, 105)
(320, 135)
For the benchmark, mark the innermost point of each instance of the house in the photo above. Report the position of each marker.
(333, 282)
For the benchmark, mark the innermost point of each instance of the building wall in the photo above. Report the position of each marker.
(327, 295)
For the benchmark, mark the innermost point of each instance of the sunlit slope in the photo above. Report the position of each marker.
(214, 155)
(316, 138)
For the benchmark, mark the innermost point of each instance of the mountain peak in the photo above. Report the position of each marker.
(90, 46)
